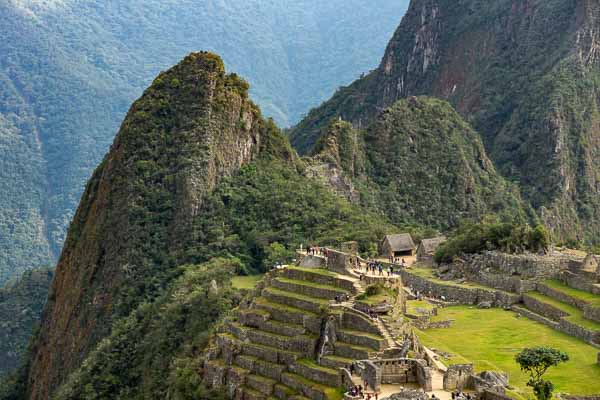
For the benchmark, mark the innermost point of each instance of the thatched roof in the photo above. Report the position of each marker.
(400, 242)
(430, 245)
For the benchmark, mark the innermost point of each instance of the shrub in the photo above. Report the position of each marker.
(505, 236)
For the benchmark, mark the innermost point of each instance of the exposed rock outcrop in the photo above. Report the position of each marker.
(534, 102)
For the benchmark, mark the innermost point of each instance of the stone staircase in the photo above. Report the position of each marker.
(292, 340)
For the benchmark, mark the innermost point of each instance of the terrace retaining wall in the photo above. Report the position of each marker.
(458, 294)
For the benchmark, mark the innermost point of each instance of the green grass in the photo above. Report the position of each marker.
(491, 339)
(297, 296)
(319, 271)
(575, 314)
(361, 333)
(246, 282)
(413, 305)
(312, 364)
(311, 284)
(282, 307)
(331, 393)
(376, 299)
(575, 293)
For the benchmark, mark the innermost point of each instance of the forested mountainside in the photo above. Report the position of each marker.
(524, 73)
(419, 161)
(197, 186)
(21, 305)
(69, 70)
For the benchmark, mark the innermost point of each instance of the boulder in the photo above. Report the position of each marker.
(495, 378)
(485, 305)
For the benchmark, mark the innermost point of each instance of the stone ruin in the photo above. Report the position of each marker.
(289, 340)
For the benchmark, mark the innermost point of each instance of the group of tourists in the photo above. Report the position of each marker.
(357, 391)
(342, 298)
(377, 268)
(398, 260)
(315, 251)
(462, 396)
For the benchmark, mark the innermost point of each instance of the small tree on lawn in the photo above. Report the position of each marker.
(536, 362)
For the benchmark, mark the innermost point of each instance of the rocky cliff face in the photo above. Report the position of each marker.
(192, 127)
(525, 73)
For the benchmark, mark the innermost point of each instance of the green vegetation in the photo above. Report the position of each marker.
(508, 92)
(21, 305)
(70, 71)
(246, 282)
(376, 294)
(492, 234)
(162, 202)
(270, 201)
(496, 336)
(156, 350)
(536, 362)
(575, 314)
(420, 164)
(575, 293)
(319, 271)
(414, 307)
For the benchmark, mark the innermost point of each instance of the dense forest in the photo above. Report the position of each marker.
(69, 71)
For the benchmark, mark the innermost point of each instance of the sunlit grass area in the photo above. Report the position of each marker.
(246, 282)
(491, 339)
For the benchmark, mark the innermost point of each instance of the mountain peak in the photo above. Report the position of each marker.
(193, 127)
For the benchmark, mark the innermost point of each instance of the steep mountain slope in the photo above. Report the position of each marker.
(196, 186)
(69, 70)
(525, 73)
(418, 162)
(21, 305)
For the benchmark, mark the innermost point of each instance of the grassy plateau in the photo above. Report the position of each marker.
(490, 339)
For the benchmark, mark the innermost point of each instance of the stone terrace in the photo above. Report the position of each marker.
(563, 308)
(288, 343)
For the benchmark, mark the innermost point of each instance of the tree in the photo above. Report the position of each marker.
(276, 253)
(536, 362)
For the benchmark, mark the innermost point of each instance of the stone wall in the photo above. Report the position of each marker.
(536, 317)
(310, 261)
(587, 335)
(458, 294)
(424, 378)
(544, 309)
(397, 371)
(296, 274)
(515, 273)
(558, 295)
(579, 282)
(457, 376)
(591, 312)
(338, 261)
(355, 321)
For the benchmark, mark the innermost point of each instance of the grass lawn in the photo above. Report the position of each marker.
(575, 293)
(246, 282)
(413, 306)
(491, 338)
(320, 271)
